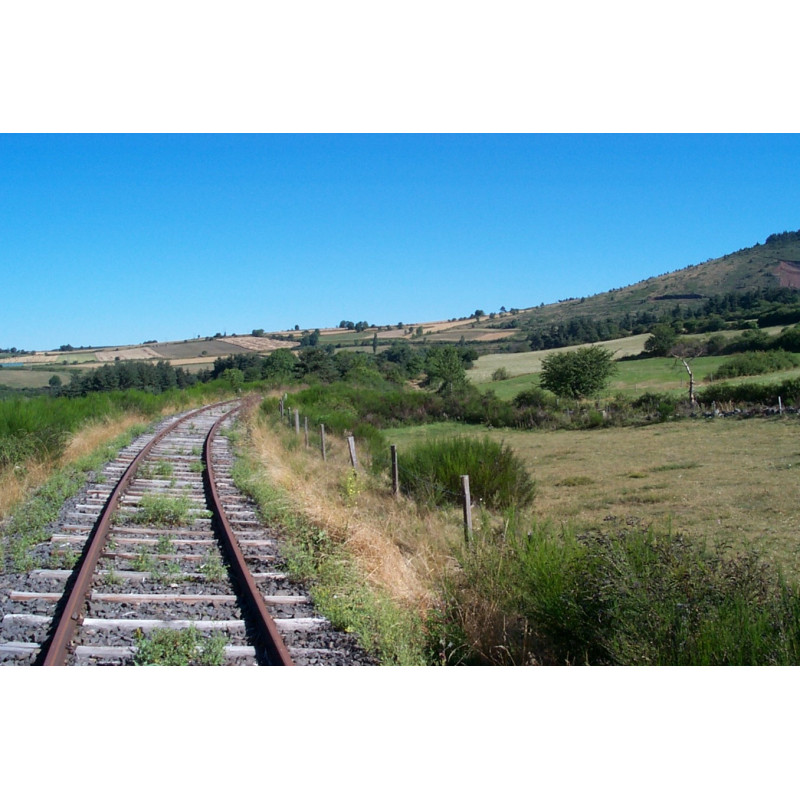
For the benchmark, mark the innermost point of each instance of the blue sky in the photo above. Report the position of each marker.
(116, 239)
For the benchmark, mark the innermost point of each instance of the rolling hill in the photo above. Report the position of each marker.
(771, 265)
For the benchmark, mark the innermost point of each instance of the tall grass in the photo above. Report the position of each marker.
(639, 597)
(39, 427)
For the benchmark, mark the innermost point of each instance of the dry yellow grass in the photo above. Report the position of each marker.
(17, 481)
(725, 479)
(92, 436)
(399, 548)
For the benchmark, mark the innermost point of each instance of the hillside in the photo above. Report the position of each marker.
(771, 265)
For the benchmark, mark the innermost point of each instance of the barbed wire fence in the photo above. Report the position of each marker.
(434, 491)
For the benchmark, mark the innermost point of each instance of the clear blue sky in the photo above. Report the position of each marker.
(116, 239)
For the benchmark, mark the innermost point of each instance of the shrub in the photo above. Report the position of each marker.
(534, 398)
(635, 597)
(578, 373)
(500, 374)
(756, 362)
(179, 648)
(498, 479)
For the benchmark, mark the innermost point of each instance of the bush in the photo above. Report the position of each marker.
(756, 393)
(578, 373)
(498, 479)
(756, 362)
(534, 398)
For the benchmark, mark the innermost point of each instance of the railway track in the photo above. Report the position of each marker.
(168, 555)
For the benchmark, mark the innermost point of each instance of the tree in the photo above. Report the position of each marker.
(661, 340)
(235, 377)
(445, 369)
(55, 383)
(580, 373)
(478, 313)
(279, 364)
(684, 350)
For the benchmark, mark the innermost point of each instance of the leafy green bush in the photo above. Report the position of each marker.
(498, 479)
(534, 398)
(577, 373)
(756, 362)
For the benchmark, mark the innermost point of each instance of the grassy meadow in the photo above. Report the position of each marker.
(633, 378)
(725, 480)
(28, 378)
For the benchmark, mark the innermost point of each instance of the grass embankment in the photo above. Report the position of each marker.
(28, 526)
(39, 434)
(367, 557)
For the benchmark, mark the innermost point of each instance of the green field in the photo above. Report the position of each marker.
(27, 378)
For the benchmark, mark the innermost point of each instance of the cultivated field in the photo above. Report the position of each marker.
(27, 378)
(726, 479)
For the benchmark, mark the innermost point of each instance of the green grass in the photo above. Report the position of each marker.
(212, 569)
(163, 511)
(179, 648)
(548, 595)
(157, 469)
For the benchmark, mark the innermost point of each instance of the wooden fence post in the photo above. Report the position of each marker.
(297, 421)
(280, 405)
(351, 443)
(395, 472)
(322, 437)
(467, 508)
(305, 428)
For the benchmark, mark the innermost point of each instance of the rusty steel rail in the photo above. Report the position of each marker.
(68, 621)
(266, 629)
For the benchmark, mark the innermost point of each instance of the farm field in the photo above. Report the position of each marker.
(27, 378)
(729, 480)
(527, 363)
(631, 379)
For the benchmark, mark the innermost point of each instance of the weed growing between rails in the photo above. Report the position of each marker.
(162, 511)
(367, 557)
(172, 648)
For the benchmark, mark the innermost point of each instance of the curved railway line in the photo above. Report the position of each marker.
(164, 540)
